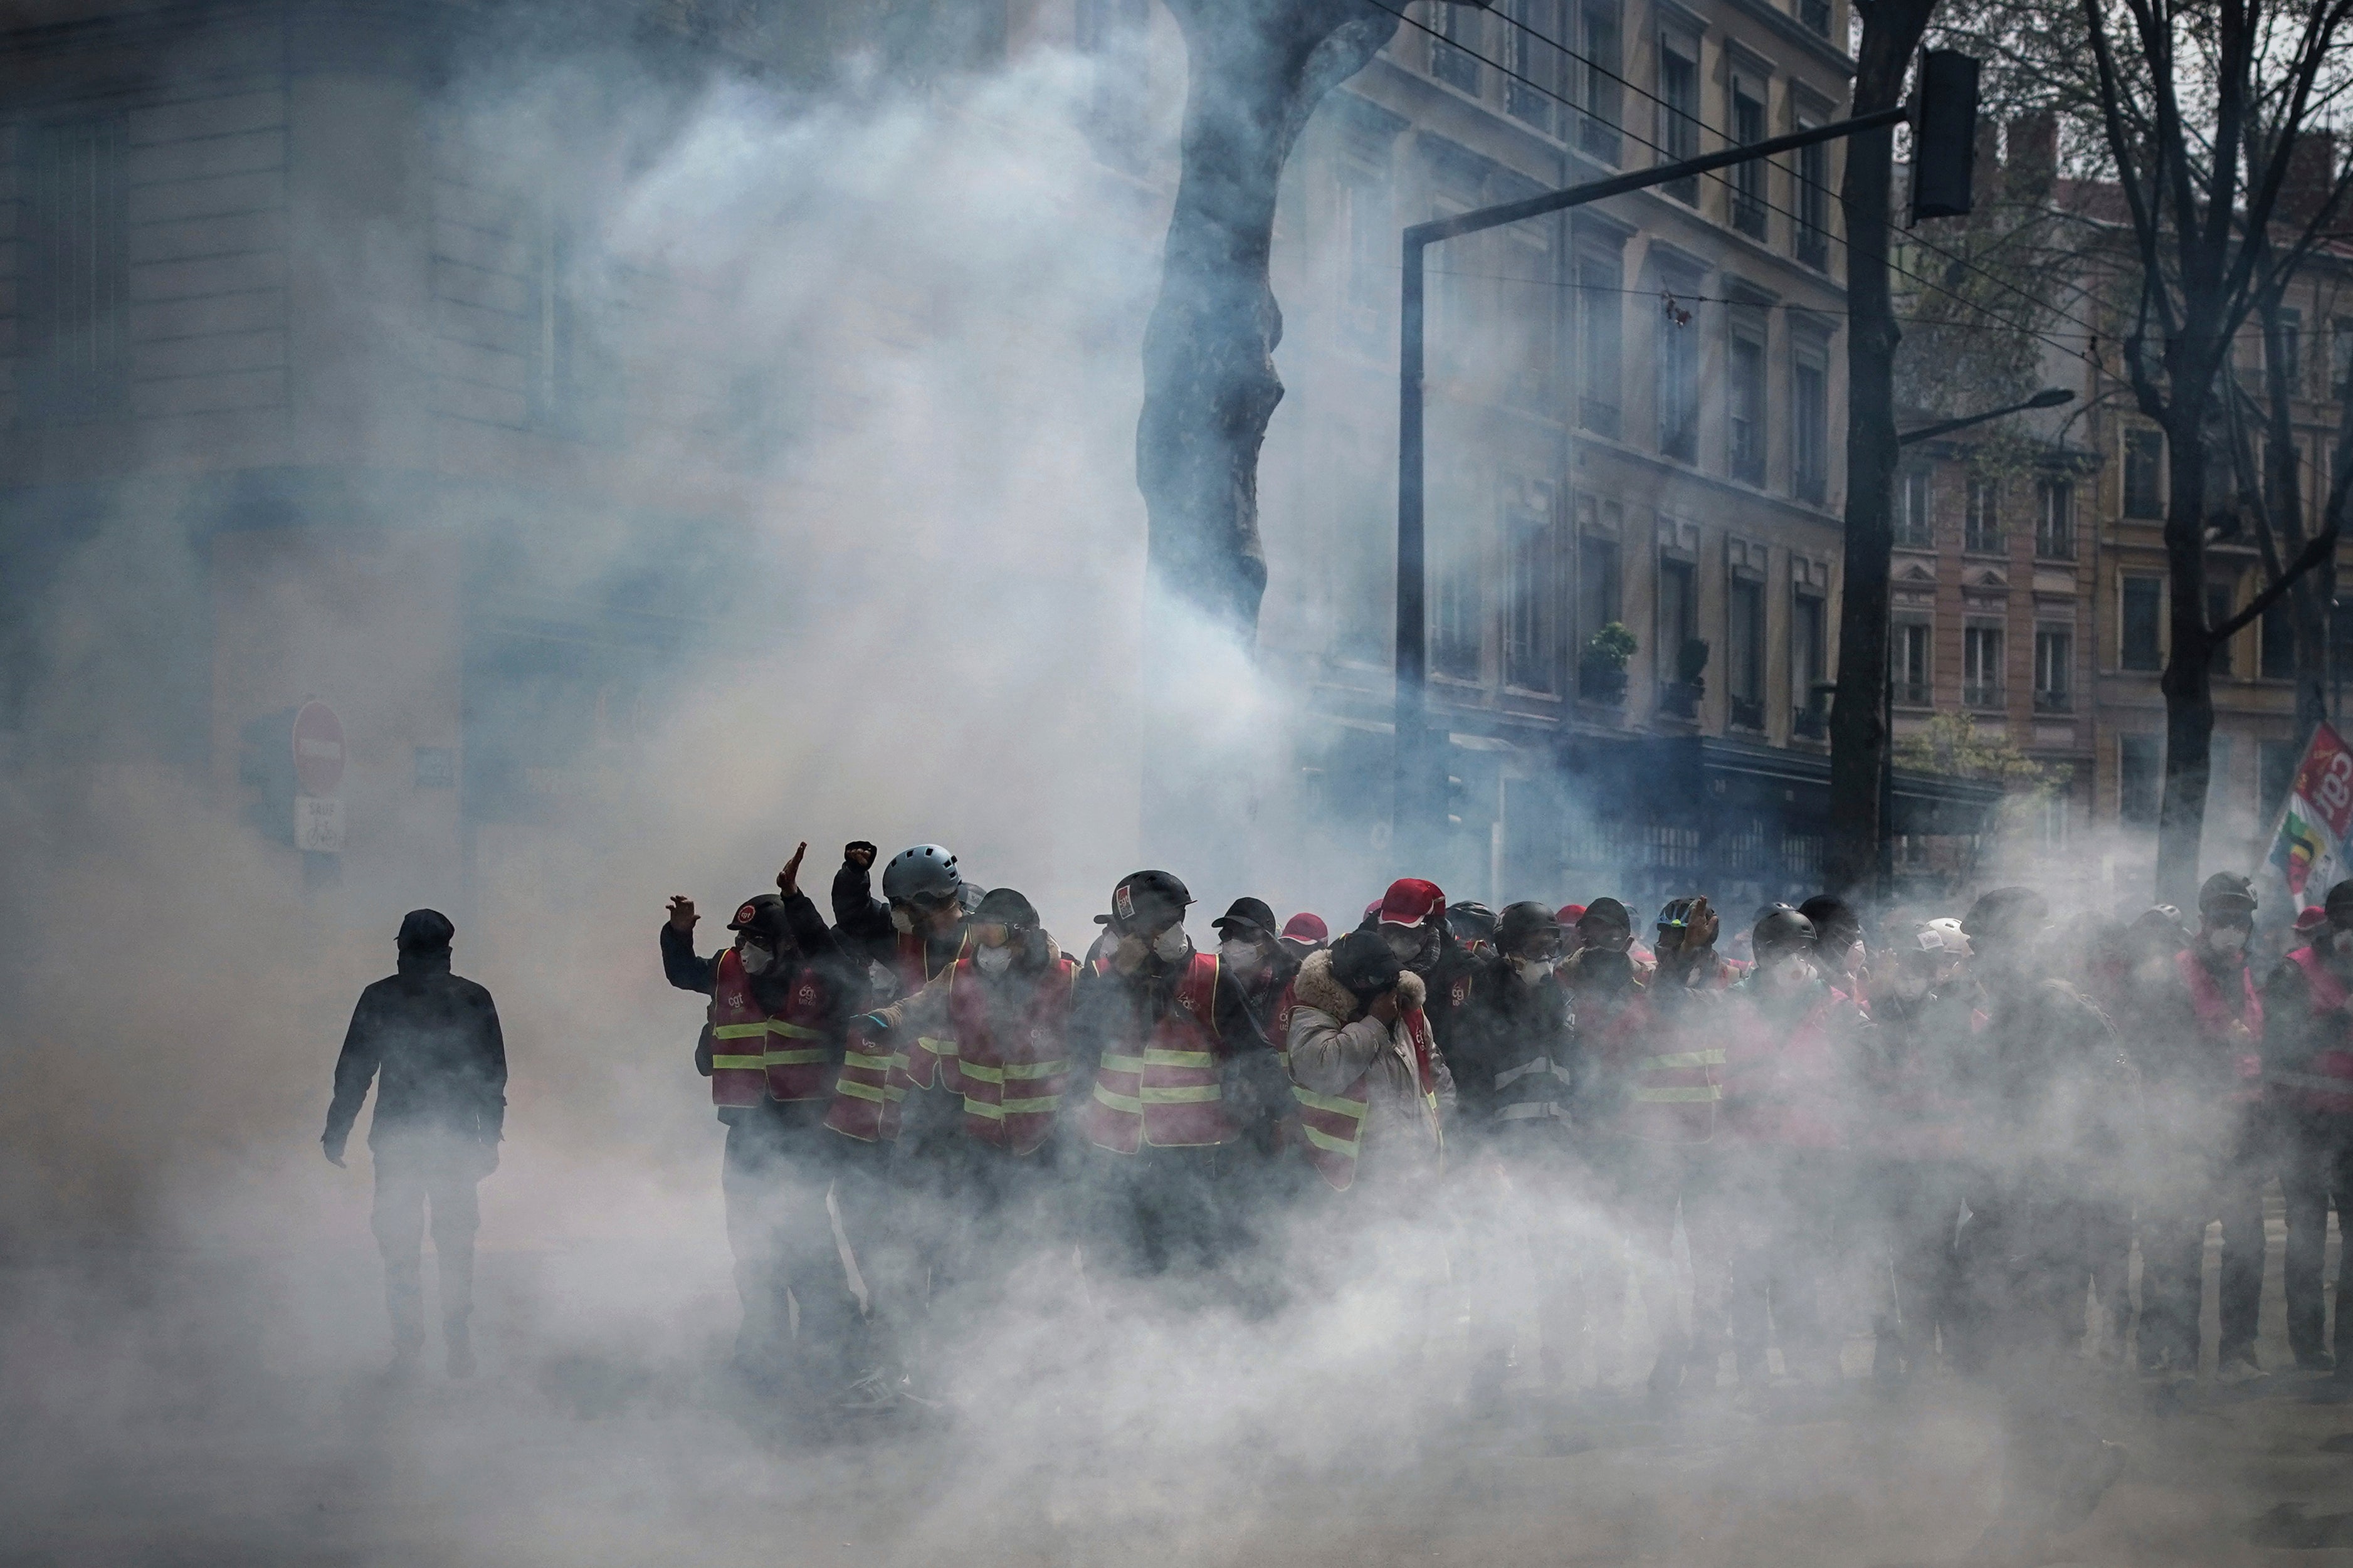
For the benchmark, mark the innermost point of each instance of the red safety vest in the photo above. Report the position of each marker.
(1168, 1097)
(1012, 1087)
(2328, 1086)
(2216, 1014)
(739, 1037)
(757, 1055)
(1334, 1124)
(1779, 1083)
(1672, 1095)
(875, 1077)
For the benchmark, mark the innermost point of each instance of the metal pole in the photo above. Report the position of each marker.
(1887, 767)
(1413, 806)
(1410, 816)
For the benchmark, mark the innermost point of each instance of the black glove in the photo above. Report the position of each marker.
(875, 1023)
(851, 852)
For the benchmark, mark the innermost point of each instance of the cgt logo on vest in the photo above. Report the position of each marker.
(807, 995)
(1461, 989)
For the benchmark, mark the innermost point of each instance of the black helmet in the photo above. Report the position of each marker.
(2226, 892)
(1363, 963)
(1470, 921)
(2006, 912)
(1004, 906)
(1675, 914)
(1830, 914)
(924, 875)
(1522, 921)
(1781, 928)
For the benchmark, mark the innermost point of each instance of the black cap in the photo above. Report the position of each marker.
(1522, 921)
(2006, 912)
(1250, 912)
(762, 914)
(1005, 905)
(1145, 898)
(1608, 911)
(424, 930)
(1361, 962)
(2226, 891)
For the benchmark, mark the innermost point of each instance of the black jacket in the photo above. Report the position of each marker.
(434, 1037)
(684, 969)
(1524, 1035)
(861, 925)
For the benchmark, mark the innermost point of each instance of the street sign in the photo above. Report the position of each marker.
(319, 824)
(318, 748)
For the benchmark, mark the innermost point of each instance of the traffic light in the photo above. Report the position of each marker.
(1944, 135)
(265, 764)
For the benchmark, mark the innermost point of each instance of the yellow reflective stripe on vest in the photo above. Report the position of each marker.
(1683, 1059)
(1331, 1146)
(1128, 1103)
(737, 1031)
(980, 1074)
(861, 1059)
(1121, 1063)
(793, 1057)
(794, 1031)
(1032, 1069)
(1694, 1092)
(747, 1064)
(1314, 1101)
(982, 1108)
(937, 1048)
(1192, 1094)
(1031, 1107)
(856, 1090)
(1154, 1056)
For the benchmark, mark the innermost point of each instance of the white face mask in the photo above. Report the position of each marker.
(1242, 957)
(1784, 969)
(1532, 970)
(903, 920)
(1170, 945)
(994, 959)
(754, 958)
(2227, 939)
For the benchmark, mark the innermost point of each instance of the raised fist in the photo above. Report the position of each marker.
(681, 912)
(860, 854)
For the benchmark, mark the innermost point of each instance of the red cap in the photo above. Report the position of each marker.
(1570, 914)
(1304, 927)
(2311, 917)
(1410, 900)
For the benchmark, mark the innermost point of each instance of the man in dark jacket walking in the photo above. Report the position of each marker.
(439, 1112)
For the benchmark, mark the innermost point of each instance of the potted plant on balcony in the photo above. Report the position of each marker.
(1680, 697)
(1601, 667)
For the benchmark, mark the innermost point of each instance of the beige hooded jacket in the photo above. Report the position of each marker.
(1334, 1042)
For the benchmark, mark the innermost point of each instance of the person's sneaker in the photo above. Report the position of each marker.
(2314, 1361)
(2239, 1367)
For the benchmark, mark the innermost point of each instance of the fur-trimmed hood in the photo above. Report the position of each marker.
(1314, 987)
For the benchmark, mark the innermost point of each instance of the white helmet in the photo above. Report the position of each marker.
(1944, 935)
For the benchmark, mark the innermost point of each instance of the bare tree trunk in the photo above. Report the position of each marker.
(1891, 32)
(1259, 67)
(1257, 70)
(2188, 680)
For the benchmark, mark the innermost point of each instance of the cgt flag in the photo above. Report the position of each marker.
(2310, 844)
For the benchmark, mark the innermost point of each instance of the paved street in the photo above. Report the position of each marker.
(202, 1417)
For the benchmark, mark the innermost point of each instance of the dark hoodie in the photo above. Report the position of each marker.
(436, 1039)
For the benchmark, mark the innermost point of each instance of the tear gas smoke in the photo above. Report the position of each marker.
(928, 633)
